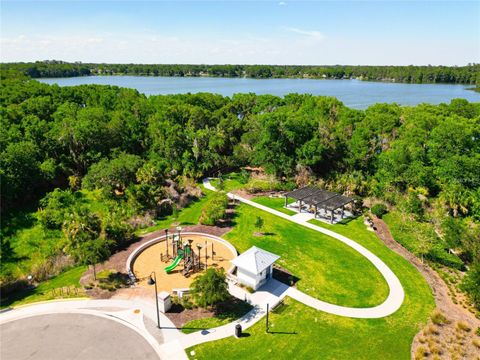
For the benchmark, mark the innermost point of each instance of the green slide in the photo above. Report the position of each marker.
(174, 264)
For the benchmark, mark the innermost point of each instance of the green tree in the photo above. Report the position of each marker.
(85, 241)
(113, 176)
(215, 209)
(259, 223)
(210, 287)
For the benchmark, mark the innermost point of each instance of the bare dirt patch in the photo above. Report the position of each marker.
(447, 339)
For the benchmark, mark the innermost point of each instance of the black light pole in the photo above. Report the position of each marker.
(153, 281)
(166, 240)
(266, 325)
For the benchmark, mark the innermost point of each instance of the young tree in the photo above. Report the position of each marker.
(85, 241)
(210, 287)
(259, 223)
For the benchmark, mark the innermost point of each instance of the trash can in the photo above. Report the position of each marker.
(238, 330)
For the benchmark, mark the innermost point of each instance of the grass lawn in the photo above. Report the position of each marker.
(27, 244)
(226, 316)
(406, 232)
(43, 291)
(328, 269)
(187, 216)
(324, 336)
(231, 182)
(412, 234)
(275, 203)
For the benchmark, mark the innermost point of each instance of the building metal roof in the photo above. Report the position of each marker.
(255, 260)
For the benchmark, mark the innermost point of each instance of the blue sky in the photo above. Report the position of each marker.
(247, 32)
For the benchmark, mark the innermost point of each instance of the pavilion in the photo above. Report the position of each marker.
(319, 199)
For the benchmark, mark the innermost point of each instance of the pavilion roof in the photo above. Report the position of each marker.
(302, 193)
(336, 202)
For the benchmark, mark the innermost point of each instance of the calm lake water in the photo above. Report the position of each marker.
(353, 93)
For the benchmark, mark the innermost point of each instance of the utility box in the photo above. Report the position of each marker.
(238, 330)
(164, 301)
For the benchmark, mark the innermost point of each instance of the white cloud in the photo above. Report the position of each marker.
(310, 33)
(282, 3)
(309, 47)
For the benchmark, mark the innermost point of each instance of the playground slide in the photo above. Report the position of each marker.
(174, 264)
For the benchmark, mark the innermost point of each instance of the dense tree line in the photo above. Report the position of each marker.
(469, 74)
(424, 159)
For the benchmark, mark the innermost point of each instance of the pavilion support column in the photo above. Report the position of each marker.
(300, 206)
(315, 212)
(343, 211)
(331, 216)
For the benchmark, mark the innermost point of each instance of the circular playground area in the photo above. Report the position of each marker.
(179, 263)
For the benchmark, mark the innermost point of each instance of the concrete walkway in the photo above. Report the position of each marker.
(272, 293)
(388, 307)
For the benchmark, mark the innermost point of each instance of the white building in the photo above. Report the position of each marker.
(254, 267)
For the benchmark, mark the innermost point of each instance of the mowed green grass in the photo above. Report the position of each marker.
(231, 182)
(69, 278)
(328, 269)
(318, 335)
(275, 203)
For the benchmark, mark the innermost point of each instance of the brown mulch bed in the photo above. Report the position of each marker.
(452, 341)
(180, 316)
(284, 276)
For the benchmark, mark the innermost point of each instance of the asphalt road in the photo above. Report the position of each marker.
(71, 336)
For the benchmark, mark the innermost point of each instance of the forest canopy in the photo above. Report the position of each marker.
(60, 144)
(468, 74)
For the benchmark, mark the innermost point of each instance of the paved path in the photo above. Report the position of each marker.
(272, 293)
(388, 307)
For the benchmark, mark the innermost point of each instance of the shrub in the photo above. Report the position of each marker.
(210, 287)
(438, 254)
(478, 331)
(214, 210)
(261, 185)
(54, 207)
(420, 353)
(438, 318)
(243, 177)
(476, 343)
(462, 325)
(379, 210)
(259, 223)
(471, 284)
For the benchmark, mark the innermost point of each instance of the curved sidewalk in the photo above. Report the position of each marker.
(389, 306)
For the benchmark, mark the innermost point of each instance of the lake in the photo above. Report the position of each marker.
(353, 93)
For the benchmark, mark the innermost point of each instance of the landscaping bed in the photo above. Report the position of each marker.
(190, 319)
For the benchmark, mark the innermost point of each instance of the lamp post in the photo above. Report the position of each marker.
(153, 281)
(166, 240)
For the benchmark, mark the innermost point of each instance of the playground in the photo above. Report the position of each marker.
(187, 256)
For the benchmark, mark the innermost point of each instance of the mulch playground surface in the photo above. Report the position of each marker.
(117, 262)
